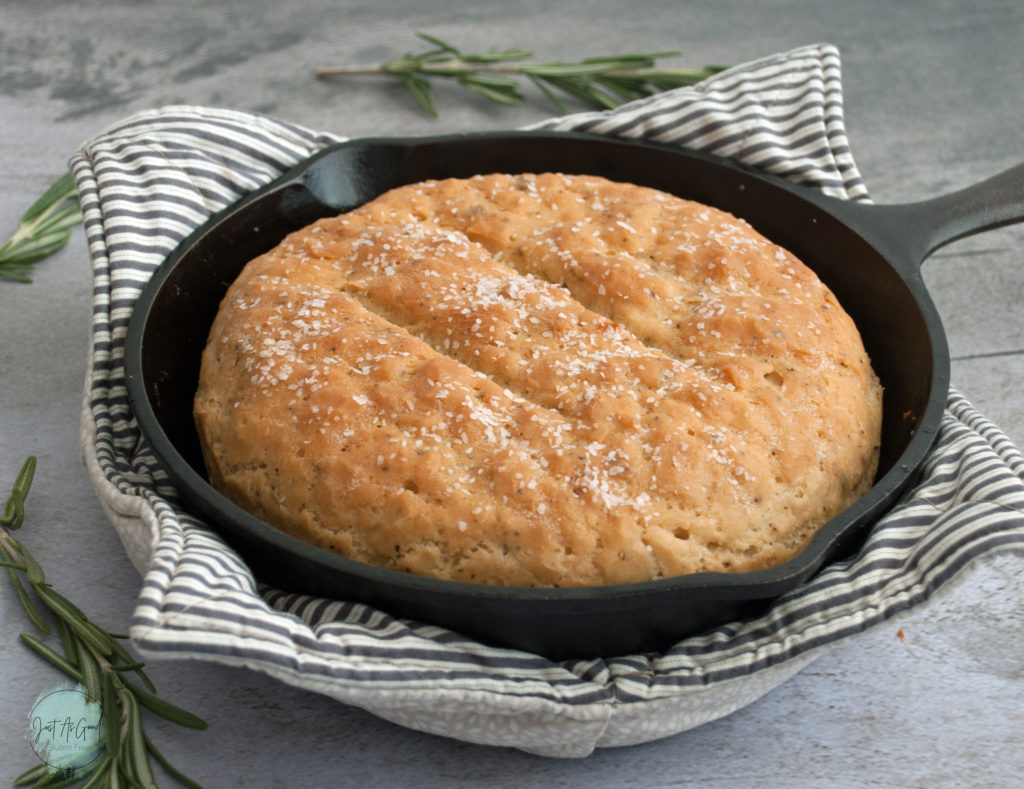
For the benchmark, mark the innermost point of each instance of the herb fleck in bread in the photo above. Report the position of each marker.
(538, 380)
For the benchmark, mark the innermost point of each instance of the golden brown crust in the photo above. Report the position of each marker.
(540, 380)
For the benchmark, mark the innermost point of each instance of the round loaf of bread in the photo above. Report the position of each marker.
(538, 380)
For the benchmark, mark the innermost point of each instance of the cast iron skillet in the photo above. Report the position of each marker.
(870, 256)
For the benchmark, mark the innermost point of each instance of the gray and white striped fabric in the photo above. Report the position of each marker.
(147, 182)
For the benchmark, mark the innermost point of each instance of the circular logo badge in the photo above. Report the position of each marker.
(66, 729)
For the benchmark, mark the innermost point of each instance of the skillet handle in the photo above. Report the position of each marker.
(914, 231)
(992, 203)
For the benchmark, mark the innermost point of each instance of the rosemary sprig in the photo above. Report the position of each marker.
(92, 657)
(601, 82)
(45, 228)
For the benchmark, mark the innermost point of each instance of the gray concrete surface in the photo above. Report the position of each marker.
(933, 97)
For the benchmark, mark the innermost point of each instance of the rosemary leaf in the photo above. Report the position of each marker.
(128, 667)
(635, 57)
(32, 775)
(442, 46)
(583, 90)
(549, 94)
(99, 773)
(51, 656)
(627, 87)
(41, 245)
(420, 90)
(14, 509)
(491, 80)
(33, 571)
(56, 779)
(14, 273)
(112, 729)
(59, 604)
(122, 654)
(165, 709)
(42, 230)
(65, 218)
(92, 677)
(184, 780)
(135, 757)
(498, 93)
(26, 603)
(68, 642)
(446, 49)
(498, 57)
(58, 191)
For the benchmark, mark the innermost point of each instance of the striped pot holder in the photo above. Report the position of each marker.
(147, 182)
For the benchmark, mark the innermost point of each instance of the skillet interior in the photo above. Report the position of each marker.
(884, 295)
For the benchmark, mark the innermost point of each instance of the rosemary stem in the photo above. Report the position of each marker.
(456, 66)
(602, 82)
